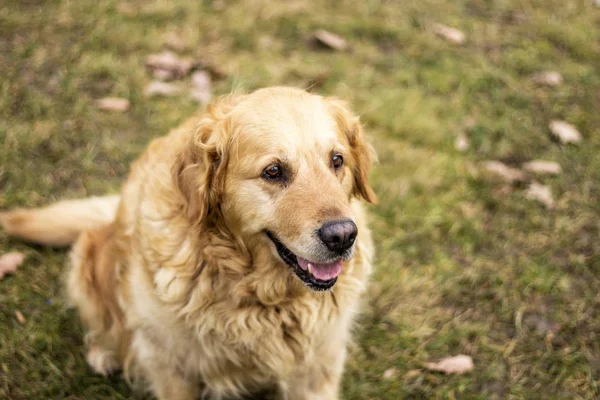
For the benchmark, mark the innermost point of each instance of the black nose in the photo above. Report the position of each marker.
(338, 236)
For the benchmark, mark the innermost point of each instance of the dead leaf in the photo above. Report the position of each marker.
(565, 132)
(170, 62)
(116, 104)
(450, 34)
(157, 88)
(201, 79)
(543, 167)
(9, 262)
(163, 74)
(504, 172)
(541, 193)
(548, 78)
(390, 373)
(201, 87)
(20, 317)
(461, 143)
(452, 365)
(175, 42)
(331, 40)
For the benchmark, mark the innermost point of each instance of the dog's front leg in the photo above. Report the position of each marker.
(170, 385)
(318, 381)
(161, 373)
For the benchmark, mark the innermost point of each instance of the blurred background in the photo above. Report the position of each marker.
(485, 116)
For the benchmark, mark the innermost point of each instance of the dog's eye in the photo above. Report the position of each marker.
(273, 171)
(337, 161)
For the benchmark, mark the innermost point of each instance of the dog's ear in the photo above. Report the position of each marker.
(362, 153)
(194, 170)
(199, 171)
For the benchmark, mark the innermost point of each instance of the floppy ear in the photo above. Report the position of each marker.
(199, 171)
(362, 153)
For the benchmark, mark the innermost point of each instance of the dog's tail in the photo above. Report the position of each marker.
(61, 223)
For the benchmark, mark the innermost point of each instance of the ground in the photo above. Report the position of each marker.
(466, 265)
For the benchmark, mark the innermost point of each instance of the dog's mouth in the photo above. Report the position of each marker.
(317, 276)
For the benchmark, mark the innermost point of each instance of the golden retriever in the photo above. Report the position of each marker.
(235, 257)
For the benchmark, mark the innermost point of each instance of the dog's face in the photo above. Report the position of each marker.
(290, 167)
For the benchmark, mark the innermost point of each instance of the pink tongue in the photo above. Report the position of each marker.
(323, 272)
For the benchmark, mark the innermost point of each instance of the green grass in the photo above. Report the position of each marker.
(465, 265)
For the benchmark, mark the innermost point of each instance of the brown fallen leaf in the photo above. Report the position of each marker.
(170, 62)
(163, 74)
(461, 143)
(390, 373)
(116, 104)
(157, 88)
(450, 34)
(548, 78)
(201, 79)
(20, 317)
(504, 172)
(9, 262)
(565, 132)
(541, 193)
(452, 365)
(543, 167)
(201, 90)
(330, 40)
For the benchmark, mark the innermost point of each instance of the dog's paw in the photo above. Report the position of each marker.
(102, 361)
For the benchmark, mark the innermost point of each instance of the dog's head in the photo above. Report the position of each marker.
(280, 168)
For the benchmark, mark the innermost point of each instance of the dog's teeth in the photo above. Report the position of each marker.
(310, 267)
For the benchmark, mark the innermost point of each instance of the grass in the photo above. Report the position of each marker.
(465, 264)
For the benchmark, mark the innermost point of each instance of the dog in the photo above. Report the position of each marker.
(234, 259)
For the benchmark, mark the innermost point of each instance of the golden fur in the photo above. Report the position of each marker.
(184, 290)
